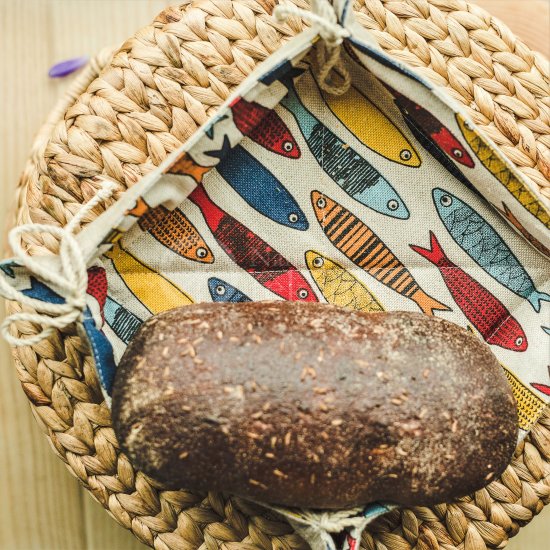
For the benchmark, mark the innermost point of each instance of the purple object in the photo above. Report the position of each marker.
(68, 66)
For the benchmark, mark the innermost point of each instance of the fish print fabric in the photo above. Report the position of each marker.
(316, 205)
(383, 198)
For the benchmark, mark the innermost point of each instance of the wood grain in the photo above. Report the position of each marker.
(42, 506)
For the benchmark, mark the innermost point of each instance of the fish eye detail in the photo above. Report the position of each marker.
(321, 202)
(318, 261)
(288, 146)
(201, 252)
(405, 154)
(302, 293)
(293, 217)
(519, 341)
(220, 290)
(457, 153)
(393, 205)
(445, 200)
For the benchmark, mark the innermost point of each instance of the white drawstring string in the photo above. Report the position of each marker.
(72, 278)
(324, 20)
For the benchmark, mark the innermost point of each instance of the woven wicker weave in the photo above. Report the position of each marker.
(154, 92)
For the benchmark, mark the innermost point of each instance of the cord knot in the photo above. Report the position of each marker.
(324, 20)
(71, 277)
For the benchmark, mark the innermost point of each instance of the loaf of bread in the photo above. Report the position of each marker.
(311, 405)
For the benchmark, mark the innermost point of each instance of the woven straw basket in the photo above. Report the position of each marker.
(95, 129)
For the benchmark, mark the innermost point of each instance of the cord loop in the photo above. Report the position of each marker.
(72, 276)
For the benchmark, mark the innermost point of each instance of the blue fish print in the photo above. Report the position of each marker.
(546, 329)
(224, 292)
(7, 268)
(122, 322)
(485, 246)
(261, 189)
(100, 346)
(354, 174)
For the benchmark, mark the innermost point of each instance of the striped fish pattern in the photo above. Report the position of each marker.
(176, 232)
(366, 250)
(485, 246)
(496, 166)
(120, 320)
(355, 175)
(339, 286)
(265, 127)
(423, 122)
(252, 253)
(483, 309)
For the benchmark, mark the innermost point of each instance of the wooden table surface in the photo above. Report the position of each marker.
(42, 506)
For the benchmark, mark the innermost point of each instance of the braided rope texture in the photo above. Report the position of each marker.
(148, 98)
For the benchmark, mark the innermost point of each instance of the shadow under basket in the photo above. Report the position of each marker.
(417, 151)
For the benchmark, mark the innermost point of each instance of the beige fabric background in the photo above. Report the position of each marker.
(42, 507)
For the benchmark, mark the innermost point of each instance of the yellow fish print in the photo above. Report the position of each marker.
(372, 127)
(339, 286)
(151, 288)
(530, 405)
(489, 158)
(365, 249)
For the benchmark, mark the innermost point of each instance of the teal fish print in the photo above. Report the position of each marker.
(485, 246)
(354, 174)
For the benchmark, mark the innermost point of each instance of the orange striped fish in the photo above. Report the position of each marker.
(365, 249)
(175, 231)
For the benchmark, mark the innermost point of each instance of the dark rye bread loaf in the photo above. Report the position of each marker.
(311, 405)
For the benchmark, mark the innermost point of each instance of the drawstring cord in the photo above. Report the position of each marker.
(72, 278)
(324, 20)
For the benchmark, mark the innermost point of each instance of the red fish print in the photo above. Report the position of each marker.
(97, 286)
(543, 388)
(486, 312)
(421, 121)
(252, 253)
(265, 127)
